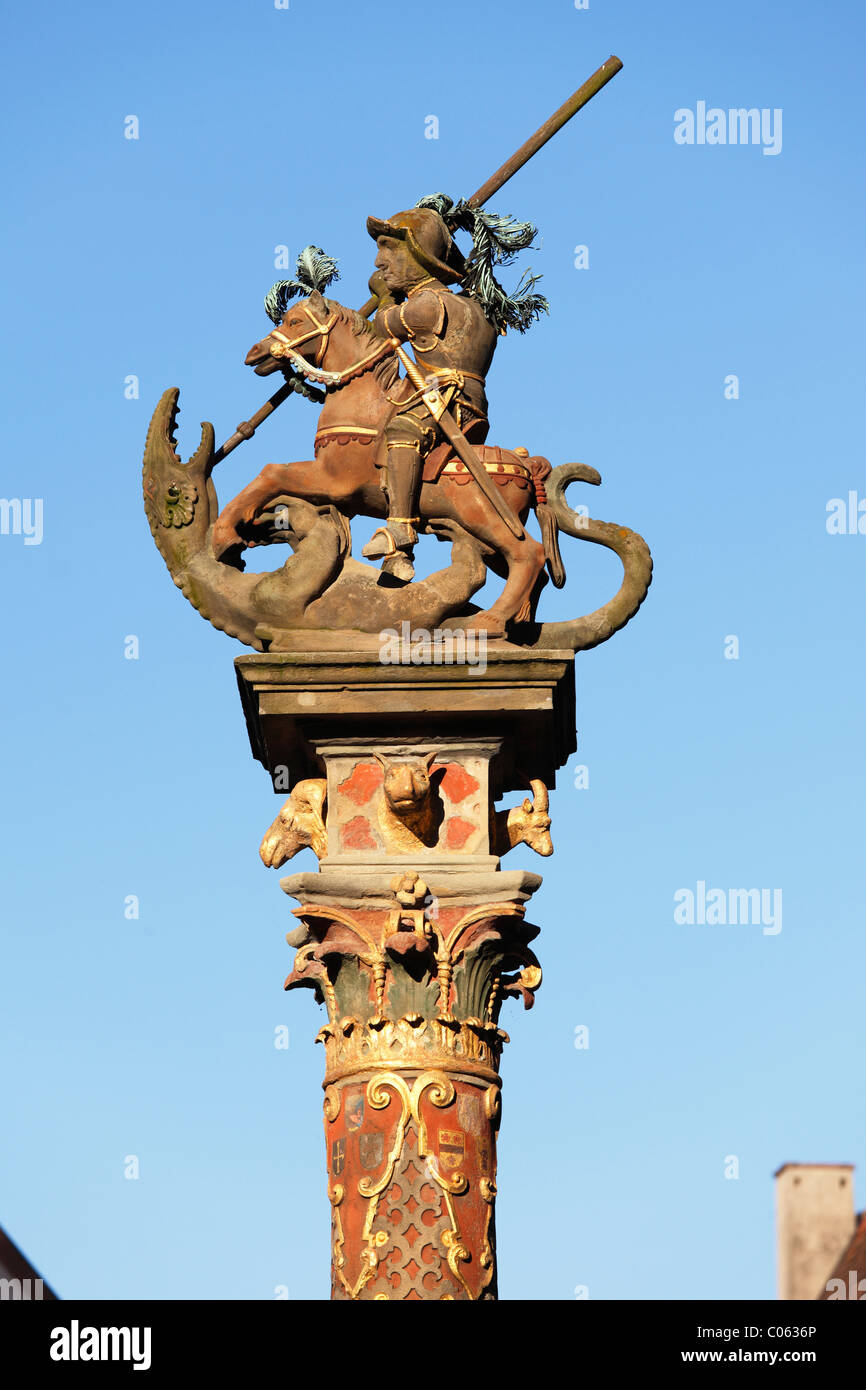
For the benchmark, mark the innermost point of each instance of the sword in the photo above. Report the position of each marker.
(456, 438)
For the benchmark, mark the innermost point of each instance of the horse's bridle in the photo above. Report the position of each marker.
(288, 348)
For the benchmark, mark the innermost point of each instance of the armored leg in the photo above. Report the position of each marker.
(394, 542)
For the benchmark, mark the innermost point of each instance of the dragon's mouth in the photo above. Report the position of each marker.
(171, 425)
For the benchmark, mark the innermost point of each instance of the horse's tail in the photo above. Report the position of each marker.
(540, 469)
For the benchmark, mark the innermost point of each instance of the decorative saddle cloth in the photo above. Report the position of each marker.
(503, 465)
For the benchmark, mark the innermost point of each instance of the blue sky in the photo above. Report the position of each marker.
(154, 1037)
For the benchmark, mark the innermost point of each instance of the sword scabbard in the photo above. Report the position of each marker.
(436, 406)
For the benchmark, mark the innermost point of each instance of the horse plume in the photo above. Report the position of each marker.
(496, 240)
(314, 271)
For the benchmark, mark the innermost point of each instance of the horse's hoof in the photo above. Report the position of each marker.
(222, 536)
(228, 547)
(232, 556)
(490, 623)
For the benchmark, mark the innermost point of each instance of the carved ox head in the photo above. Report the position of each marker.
(407, 786)
(535, 823)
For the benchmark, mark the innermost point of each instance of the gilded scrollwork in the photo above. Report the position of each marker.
(473, 1048)
(487, 1189)
(493, 1104)
(331, 1103)
(406, 1173)
(378, 1097)
(413, 999)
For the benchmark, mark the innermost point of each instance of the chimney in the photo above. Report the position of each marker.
(814, 1223)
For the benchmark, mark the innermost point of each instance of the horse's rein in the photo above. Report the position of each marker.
(287, 348)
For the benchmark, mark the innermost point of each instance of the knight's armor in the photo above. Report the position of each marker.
(453, 343)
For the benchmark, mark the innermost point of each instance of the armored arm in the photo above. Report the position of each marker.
(420, 318)
(382, 301)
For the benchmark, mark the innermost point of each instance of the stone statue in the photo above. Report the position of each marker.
(409, 931)
(401, 436)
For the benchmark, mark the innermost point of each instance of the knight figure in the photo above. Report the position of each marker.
(453, 337)
(453, 342)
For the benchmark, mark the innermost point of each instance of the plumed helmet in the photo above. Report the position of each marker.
(427, 237)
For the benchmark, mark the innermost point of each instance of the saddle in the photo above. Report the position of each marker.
(503, 465)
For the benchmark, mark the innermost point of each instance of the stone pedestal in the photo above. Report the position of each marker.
(410, 933)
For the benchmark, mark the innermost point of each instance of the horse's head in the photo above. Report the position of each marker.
(305, 329)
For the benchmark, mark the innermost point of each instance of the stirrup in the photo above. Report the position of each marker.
(380, 543)
(383, 542)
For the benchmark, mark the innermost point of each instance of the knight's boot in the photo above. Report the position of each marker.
(394, 542)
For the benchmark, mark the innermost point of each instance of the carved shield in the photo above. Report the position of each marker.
(338, 1156)
(371, 1148)
(451, 1148)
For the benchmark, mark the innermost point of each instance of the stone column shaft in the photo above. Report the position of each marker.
(411, 936)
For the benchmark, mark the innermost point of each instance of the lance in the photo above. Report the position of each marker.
(552, 125)
(247, 428)
(600, 78)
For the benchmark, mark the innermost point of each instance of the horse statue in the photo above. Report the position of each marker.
(310, 504)
(335, 346)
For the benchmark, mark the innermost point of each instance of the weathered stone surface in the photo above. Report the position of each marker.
(523, 700)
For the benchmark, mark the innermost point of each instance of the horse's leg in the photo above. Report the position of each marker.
(524, 558)
(527, 610)
(307, 480)
(541, 583)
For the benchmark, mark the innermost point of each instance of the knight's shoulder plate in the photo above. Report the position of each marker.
(387, 321)
(424, 312)
(423, 317)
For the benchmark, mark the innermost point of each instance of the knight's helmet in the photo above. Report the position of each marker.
(428, 239)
